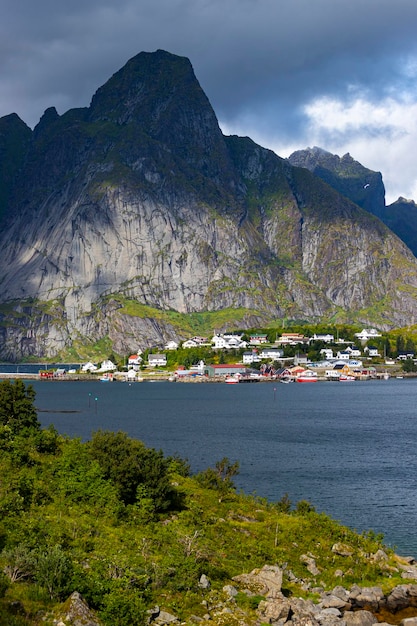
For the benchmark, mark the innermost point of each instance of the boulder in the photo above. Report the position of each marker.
(274, 611)
(359, 618)
(401, 597)
(266, 581)
(370, 598)
(342, 549)
(78, 613)
(310, 563)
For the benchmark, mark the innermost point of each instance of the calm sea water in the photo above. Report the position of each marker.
(349, 449)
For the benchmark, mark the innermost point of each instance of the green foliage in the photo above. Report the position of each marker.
(52, 571)
(303, 507)
(17, 409)
(284, 505)
(65, 528)
(129, 464)
(81, 479)
(220, 477)
(409, 366)
(120, 610)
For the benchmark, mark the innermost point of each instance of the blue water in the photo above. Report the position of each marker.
(349, 449)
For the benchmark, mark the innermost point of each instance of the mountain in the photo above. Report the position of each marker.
(362, 186)
(127, 222)
(401, 218)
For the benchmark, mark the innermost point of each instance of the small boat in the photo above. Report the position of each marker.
(285, 380)
(346, 378)
(231, 380)
(307, 377)
(106, 378)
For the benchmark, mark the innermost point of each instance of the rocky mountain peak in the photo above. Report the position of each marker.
(158, 95)
(139, 200)
(349, 177)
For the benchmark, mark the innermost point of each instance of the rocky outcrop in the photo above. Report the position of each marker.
(364, 187)
(349, 177)
(77, 613)
(141, 198)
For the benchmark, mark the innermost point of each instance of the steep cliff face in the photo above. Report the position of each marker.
(349, 177)
(140, 198)
(362, 186)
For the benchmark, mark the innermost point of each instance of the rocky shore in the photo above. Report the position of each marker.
(263, 588)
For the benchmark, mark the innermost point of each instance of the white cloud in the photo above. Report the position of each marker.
(381, 136)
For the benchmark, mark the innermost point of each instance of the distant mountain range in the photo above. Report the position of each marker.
(362, 186)
(135, 220)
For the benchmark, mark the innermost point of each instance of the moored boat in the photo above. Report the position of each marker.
(306, 377)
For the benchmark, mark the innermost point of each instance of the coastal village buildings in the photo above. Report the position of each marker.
(257, 355)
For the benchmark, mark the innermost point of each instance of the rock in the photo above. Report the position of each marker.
(78, 613)
(359, 618)
(266, 581)
(274, 611)
(401, 597)
(204, 582)
(368, 598)
(341, 593)
(331, 601)
(304, 613)
(230, 591)
(409, 621)
(410, 573)
(166, 618)
(310, 563)
(379, 556)
(342, 549)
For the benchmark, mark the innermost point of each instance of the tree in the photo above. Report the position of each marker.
(129, 464)
(220, 477)
(17, 409)
(400, 344)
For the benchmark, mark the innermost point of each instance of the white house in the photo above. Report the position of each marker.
(354, 351)
(107, 366)
(257, 339)
(403, 356)
(251, 356)
(327, 353)
(194, 342)
(228, 342)
(291, 339)
(134, 361)
(272, 353)
(326, 338)
(372, 351)
(171, 345)
(367, 333)
(343, 355)
(157, 360)
(190, 343)
(89, 367)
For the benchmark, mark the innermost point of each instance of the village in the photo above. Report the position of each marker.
(257, 359)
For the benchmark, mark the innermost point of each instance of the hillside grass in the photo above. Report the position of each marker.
(65, 509)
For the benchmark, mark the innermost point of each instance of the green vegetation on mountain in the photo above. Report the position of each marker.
(129, 528)
(136, 221)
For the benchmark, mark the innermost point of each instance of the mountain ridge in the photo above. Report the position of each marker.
(140, 196)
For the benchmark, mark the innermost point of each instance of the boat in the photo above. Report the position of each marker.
(346, 378)
(232, 380)
(106, 378)
(306, 377)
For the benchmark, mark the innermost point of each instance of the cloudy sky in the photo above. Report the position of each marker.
(339, 74)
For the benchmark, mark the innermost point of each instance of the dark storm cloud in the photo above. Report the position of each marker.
(259, 61)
